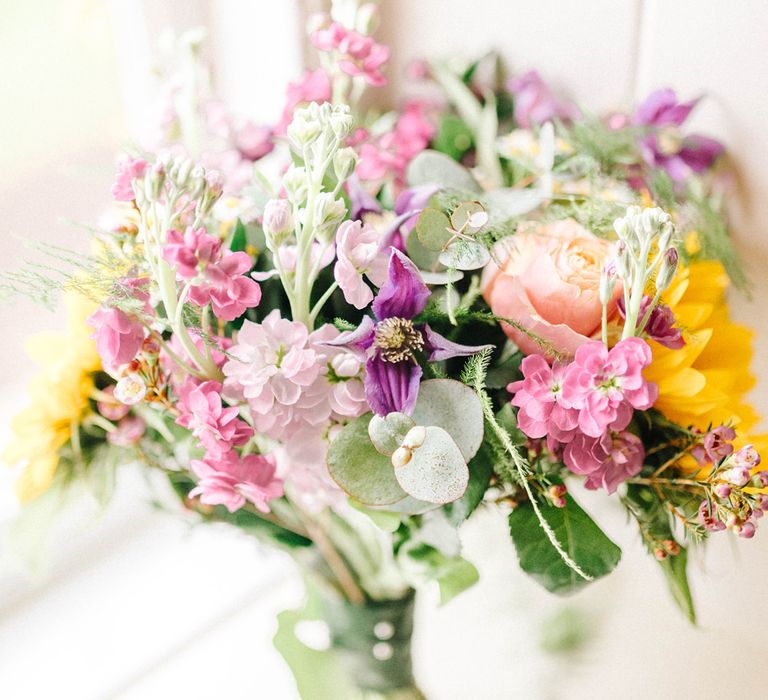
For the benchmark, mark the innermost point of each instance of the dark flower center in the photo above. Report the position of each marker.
(397, 339)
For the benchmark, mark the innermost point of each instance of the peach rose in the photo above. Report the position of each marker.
(550, 283)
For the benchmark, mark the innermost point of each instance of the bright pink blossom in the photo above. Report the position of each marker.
(118, 336)
(358, 252)
(606, 461)
(232, 480)
(128, 170)
(356, 54)
(217, 427)
(314, 86)
(542, 410)
(605, 385)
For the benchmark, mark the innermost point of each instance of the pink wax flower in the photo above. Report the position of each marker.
(217, 427)
(390, 154)
(358, 251)
(661, 323)
(605, 385)
(542, 410)
(535, 103)
(129, 431)
(110, 407)
(128, 170)
(222, 284)
(275, 370)
(708, 518)
(749, 457)
(717, 442)
(118, 336)
(356, 54)
(313, 86)
(231, 481)
(607, 460)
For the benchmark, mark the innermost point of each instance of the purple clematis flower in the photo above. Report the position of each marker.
(665, 147)
(391, 340)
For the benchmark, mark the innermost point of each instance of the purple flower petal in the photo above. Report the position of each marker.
(699, 152)
(661, 108)
(404, 294)
(391, 386)
(361, 337)
(440, 348)
(360, 200)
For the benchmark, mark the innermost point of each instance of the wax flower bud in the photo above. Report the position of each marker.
(738, 476)
(180, 171)
(667, 269)
(278, 221)
(623, 267)
(746, 529)
(344, 162)
(722, 490)
(760, 480)
(748, 457)
(130, 390)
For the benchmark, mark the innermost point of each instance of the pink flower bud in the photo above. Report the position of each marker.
(760, 480)
(748, 457)
(761, 502)
(278, 218)
(738, 476)
(746, 530)
(722, 490)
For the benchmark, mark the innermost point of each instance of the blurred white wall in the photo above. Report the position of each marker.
(141, 608)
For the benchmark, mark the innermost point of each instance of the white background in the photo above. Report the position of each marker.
(139, 605)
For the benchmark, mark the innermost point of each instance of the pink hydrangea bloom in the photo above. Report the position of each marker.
(605, 385)
(391, 153)
(232, 480)
(129, 431)
(358, 252)
(128, 170)
(606, 461)
(542, 410)
(203, 412)
(118, 336)
(222, 284)
(357, 54)
(314, 86)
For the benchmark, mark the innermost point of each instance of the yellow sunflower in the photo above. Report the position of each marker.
(706, 381)
(59, 399)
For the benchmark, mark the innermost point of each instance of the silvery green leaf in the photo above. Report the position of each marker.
(451, 276)
(433, 168)
(455, 408)
(436, 471)
(433, 229)
(469, 214)
(508, 202)
(465, 255)
(387, 432)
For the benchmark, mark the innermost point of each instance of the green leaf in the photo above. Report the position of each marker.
(434, 168)
(355, 465)
(454, 137)
(423, 257)
(508, 420)
(457, 577)
(239, 237)
(675, 571)
(576, 532)
(385, 520)
(388, 432)
(480, 472)
(432, 228)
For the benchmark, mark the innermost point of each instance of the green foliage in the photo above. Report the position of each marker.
(676, 573)
(585, 542)
(239, 237)
(432, 228)
(424, 563)
(433, 168)
(454, 137)
(480, 473)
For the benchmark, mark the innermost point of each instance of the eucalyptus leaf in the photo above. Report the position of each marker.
(432, 228)
(409, 506)
(387, 432)
(509, 203)
(469, 214)
(454, 407)
(423, 258)
(361, 471)
(576, 532)
(465, 255)
(434, 168)
(436, 471)
(480, 472)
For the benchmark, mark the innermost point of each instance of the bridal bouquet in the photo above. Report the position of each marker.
(347, 331)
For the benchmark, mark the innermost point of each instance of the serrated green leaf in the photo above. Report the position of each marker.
(576, 532)
(355, 465)
(432, 229)
(675, 571)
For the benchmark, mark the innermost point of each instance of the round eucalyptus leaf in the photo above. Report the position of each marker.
(361, 471)
(433, 168)
(432, 228)
(469, 214)
(455, 408)
(387, 432)
(424, 258)
(437, 471)
(465, 255)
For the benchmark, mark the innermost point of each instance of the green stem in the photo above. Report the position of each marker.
(320, 303)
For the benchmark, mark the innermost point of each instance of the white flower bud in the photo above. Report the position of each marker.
(277, 221)
(623, 266)
(153, 182)
(328, 215)
(305, 127)
(344, 162)
(607, 283)
(295, 183)
(341, 121)
(180, 171)
(667, 269)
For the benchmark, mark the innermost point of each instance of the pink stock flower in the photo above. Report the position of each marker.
(357, 54)
(222, 284)
(118, 336)
(314, 86)
(607, 460)
(358, 251)
(390, 154)
(605, 385)
(661, 323)
(252, 141)
(542, 411)
(203, 412)
(128, 170)
(129, 431)
(232, 480)
(535, 103)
